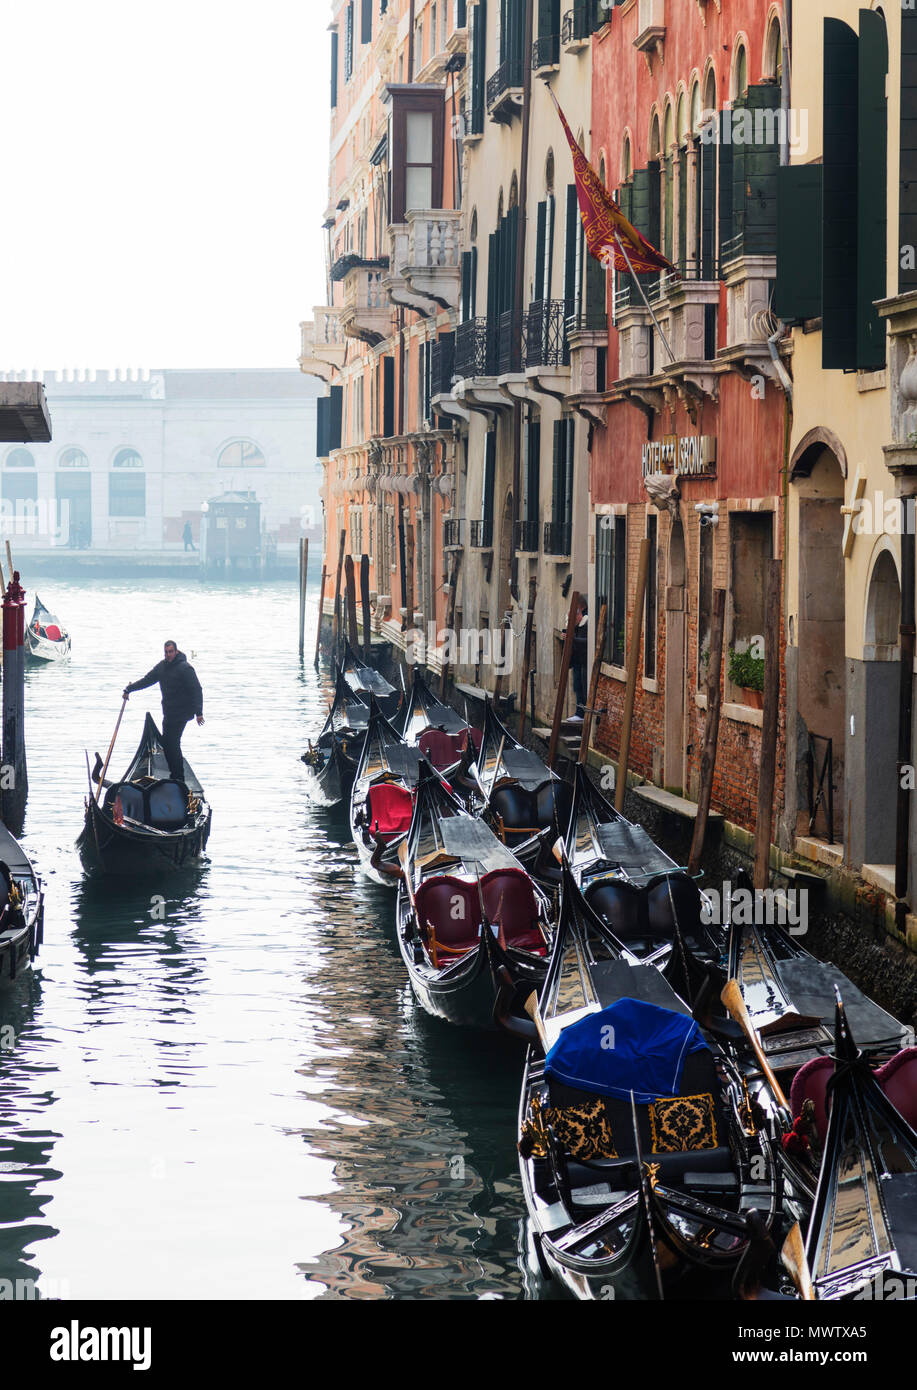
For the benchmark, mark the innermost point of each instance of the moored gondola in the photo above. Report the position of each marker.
(526, 804)
(22, 908)
(853, 1151)
(147, 821)
(364, 681)
(382, 799)
(333, 758)
(644, 1172)
(46, 639)
(470, 919)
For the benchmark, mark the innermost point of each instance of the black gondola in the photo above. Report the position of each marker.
(147, 821)
(862, 1232)
(635, 1188)
(333, 758)
(649, 903)
(519, 796)
(382, 799)
(470, 919)
(22, 908)
(364, 680)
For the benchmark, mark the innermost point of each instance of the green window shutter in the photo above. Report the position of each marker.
(321, 427)
(762, 163)
(334, 68)
(872, 195)
(596, 290)
(707, 208)
(493, 248)
(732, 169)
(388, 397)
(569, 445)
(573, 225)
(907, 192)
(533, 474)
(478, 73)
(366, 22)
(466, 286)
(474, 282)
(490, 459)
(654, 211)
(557, 480)
(669, 167)
(541, 227)
(839, 224)
(799, 242)
(683, 210)
(548, 18)
(335, 417)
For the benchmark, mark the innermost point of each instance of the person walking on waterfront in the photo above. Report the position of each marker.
(187, 537)
(182, 700)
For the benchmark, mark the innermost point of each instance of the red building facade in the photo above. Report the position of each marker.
(691, 117)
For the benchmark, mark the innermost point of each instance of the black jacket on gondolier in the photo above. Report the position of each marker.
(182, 696)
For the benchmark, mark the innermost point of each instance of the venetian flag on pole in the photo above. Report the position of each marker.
(610, 237)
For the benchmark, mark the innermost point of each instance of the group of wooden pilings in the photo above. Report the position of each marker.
(346, 619)
(770, 716)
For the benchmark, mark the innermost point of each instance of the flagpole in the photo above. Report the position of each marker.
(621, 247)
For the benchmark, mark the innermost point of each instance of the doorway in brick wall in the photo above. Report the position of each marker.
(675, 646)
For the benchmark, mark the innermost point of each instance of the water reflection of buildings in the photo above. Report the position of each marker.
(420, 1129)
(26, 1144)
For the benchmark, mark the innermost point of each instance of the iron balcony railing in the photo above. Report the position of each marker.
(546, 326)
(452, 533)
(557, 537)
(527, 537)
(585, 17)
(472, 349)
(482, 534)
(507, 76)
(546, 51)
(442, 366)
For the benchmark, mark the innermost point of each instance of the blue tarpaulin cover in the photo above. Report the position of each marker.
(630, 1046)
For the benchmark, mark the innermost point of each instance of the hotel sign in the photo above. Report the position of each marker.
(690, 455)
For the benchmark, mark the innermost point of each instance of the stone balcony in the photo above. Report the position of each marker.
(367, 312)
(425, 261)
(323, 343)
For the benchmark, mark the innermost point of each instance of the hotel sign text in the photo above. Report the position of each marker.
(695, 454)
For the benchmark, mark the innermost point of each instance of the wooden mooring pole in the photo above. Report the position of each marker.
(336, 640)
(367, 615)
(768, 773)
(321, 614)
(633, 658)
(452, 636)
(15, 780)
(303, 568)
(711, 728)
(593, 683)
(351, 587)
(563, 678)
(527, 658)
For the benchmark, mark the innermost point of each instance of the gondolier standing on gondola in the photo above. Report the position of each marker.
(182, 700)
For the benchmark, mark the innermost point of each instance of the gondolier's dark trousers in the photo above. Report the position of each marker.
(172, 730)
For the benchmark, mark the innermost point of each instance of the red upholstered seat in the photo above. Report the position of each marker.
(390, 809)
(53, 632)
(811, 1083)
(898, 1079)
(440, 748)
(451, 908)
(509, 901)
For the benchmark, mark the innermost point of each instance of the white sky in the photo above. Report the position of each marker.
(165, 176)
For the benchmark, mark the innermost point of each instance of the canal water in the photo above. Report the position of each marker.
(218, 1085)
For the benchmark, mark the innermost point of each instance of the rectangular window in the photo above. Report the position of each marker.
(611, 583)
(366, 22)
(533, 478)
(416, 136)
(418, 160)
(334, 68)
(649, 642)
(490, 468)
(348, 43)
(751, 537)
(127, 494)
(478, 74)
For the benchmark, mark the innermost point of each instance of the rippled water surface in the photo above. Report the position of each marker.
(220, 1084)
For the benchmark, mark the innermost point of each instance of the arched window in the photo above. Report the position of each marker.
(474, 225)
(20, 458)
(127, 458)
(669, 157)
(681, 125)
(549, 173)
(513, 193)
(710, 94)
(773, 51)
(127, 485)
(740, 79)
(695, 108)
(627, 161)
(21, 485)
(655, 137)
(73, 458)
(241, 454)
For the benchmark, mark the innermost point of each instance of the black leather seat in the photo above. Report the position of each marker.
(166, 805)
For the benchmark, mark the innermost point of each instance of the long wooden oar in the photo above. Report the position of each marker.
(732, 998)
(111, 749)
(794, 1259)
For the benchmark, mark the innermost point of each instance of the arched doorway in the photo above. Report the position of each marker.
(675, 617)
(874, 703)
(821, 680)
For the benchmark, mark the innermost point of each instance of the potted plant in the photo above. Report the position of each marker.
(747, 672)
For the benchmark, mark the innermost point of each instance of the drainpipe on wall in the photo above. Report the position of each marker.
(905, 712)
